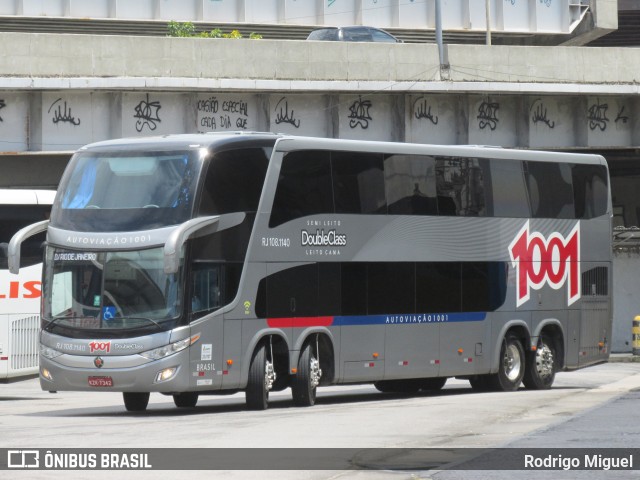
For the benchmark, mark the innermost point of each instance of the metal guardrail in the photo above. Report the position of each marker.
(88, 26)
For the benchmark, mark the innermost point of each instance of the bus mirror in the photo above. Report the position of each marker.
(13, 251)
(195, 227)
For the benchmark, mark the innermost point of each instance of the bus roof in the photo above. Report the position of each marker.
(214, 140)
(15, 196)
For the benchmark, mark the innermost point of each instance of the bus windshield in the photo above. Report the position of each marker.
(127, 191)
(110, 291)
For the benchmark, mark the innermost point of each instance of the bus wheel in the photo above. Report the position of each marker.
(540, 371)
(136, 401)
(261, 378)
(307, 379)
(433, 384)
(185, 399)
(511, 366)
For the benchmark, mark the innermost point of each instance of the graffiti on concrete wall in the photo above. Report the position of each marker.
(539, 114)
(284, 115)
(222, 113)
(62, 113)
(621, 117)
(359, 113)
(488, 115)
(147, 114)
(422, 111)
(597, 115)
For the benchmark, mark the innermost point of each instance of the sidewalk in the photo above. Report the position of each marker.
(624, 358)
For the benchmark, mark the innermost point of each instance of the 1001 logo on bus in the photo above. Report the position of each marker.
(541, 261)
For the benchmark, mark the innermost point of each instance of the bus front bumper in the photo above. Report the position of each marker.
(115, 373)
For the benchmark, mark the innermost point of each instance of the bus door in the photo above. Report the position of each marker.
(206, 297)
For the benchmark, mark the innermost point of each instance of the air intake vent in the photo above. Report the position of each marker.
(595, 282)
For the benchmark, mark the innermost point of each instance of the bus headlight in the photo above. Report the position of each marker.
(162, 352)
(48, 352)
(166, 374)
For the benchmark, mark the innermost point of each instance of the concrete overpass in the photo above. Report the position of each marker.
(61, 91)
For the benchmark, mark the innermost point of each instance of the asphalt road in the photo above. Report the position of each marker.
(595, 407)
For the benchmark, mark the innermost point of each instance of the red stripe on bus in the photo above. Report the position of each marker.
(300, 322)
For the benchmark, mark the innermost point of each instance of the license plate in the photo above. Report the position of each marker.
(100, 382)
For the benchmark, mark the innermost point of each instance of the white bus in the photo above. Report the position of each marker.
(194, 265)
(20, 294)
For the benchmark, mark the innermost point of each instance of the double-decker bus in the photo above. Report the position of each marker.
(20, 293)
(200, 264)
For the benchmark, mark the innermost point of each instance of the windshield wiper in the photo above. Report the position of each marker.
(57, 322)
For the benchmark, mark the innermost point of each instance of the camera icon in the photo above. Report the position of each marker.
(23, 459)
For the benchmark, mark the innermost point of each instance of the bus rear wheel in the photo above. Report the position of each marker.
(540, 371)
(511, 366)
(136, 401)
(185, 399)
(307, 378)
(261, 378)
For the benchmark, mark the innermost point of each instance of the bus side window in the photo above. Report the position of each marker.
(410, 184)
(304, 187)
(589, 190)
(206, 287)
(460, 186)
(509, 192)
(358, 182)
(557, 200)
(292, 292)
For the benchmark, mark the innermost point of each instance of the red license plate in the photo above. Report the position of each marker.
(100, 382)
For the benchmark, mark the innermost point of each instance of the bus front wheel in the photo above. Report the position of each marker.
(540, 371)
(136, 401)
(511, 366)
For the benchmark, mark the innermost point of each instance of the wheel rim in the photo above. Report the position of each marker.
(544, 361)
(269, 375)
(512, 362)
(314, 372)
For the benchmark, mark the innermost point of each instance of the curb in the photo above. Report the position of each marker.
(624, 358)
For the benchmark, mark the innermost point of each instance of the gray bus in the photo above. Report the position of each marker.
(202, 264)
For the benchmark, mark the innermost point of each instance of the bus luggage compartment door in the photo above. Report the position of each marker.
(595, 331)
(362, 353)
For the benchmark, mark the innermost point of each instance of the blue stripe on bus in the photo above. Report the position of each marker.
(409, 319)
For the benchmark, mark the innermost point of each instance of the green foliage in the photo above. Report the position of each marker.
(181, 29)
(188, 29)
(233, 34)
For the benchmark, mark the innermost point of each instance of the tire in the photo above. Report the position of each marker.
(398, 386)
(307, 379)
(257, 393)
(432, 384)
(135, 401)
(540, 371)
(185, 399)
(511, 366)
